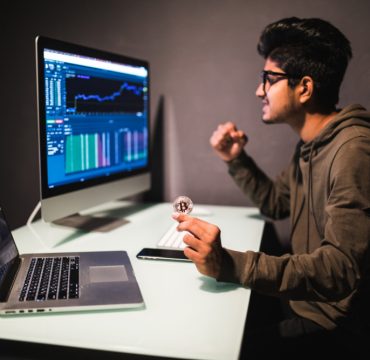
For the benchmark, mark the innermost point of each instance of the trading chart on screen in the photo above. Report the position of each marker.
(96, 117)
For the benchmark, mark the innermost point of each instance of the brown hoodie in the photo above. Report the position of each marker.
(326, 192)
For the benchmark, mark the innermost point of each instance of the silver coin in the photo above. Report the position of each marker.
(183, 205)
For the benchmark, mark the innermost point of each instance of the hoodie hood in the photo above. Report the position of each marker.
(349, 116)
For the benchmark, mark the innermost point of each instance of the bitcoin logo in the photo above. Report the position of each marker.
(183, 205)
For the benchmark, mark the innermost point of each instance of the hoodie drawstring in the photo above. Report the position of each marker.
(310, 201)
(295, 216)
(309, 198)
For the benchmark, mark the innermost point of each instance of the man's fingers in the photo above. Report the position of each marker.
(199, 228)
(194, 225)
(180, 217)
(220, 140)
(217, 141)
(239, 137)
(193, 242)
(192, 255)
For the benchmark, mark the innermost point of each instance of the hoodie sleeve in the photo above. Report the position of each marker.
(271, 197)
(333, 270)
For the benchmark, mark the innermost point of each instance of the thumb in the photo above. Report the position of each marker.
(180, 217)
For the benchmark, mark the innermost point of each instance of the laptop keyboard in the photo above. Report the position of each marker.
(51, 278)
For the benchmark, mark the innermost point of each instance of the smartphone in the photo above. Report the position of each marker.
(162, 254)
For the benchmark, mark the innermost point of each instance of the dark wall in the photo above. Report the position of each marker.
(204, 66)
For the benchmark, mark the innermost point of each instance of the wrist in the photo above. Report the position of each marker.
(237, 157)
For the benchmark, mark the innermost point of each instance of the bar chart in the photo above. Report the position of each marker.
(87, 151)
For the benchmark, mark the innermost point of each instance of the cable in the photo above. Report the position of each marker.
(34, 213)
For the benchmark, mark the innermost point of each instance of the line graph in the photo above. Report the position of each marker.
(85, 94)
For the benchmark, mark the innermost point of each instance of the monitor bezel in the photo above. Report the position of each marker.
(73, 48)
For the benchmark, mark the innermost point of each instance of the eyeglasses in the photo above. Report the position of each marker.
(268, 79)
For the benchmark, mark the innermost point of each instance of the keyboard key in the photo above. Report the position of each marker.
(173, 239)
(74, 278)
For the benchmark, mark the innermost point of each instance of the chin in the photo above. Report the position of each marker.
(270, 121)
(267, 120)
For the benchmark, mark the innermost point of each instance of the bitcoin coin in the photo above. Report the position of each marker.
(183, 205)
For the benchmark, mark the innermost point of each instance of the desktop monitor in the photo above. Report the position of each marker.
(93, 117)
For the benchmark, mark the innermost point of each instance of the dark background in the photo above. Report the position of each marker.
(205, 70)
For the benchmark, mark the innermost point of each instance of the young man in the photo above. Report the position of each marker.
(325, 191)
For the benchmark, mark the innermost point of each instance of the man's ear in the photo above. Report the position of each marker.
(305, 89)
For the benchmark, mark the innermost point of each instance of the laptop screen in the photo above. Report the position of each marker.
(8, 249)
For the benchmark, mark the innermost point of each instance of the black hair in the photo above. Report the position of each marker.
(309, 47)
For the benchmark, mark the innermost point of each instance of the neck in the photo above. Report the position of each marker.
(311, 125)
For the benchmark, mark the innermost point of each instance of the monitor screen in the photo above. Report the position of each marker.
(93, 124)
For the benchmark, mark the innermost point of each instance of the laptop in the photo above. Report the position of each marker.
(55, 282)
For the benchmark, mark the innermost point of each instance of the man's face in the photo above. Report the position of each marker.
(278, 99)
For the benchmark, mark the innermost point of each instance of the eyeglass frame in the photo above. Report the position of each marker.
(265, 73)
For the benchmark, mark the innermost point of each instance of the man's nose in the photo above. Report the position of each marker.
(260, 92)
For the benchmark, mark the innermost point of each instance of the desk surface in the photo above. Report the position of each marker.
(186, 315)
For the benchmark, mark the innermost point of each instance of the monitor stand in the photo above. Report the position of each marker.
(89, 223)
(101, 221)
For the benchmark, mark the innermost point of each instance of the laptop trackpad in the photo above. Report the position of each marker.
(104, 274)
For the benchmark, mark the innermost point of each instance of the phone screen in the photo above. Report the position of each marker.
(162, 254)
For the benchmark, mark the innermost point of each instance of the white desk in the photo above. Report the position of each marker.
(186, 315)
